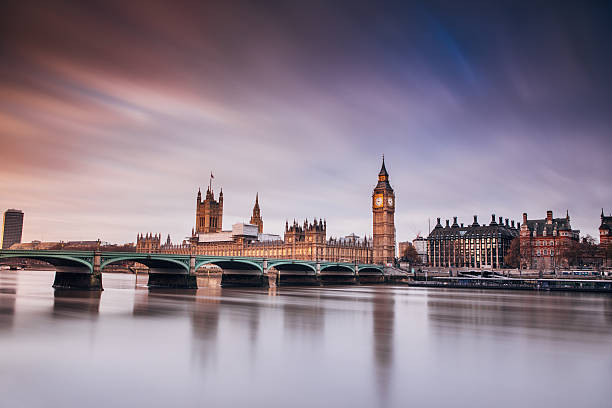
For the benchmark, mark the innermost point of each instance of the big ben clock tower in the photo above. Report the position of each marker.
(383, 213)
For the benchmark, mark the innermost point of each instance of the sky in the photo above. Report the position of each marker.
(113, 114)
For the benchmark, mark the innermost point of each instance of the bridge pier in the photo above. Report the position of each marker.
(299, 280)
(175, 280)
(265, 276)
(328, 279)
(172, 281)
(244, 280)
(72, 278)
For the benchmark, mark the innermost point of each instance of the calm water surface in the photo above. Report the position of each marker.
(360, 346)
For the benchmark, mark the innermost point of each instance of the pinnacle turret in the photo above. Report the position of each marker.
(383, 169)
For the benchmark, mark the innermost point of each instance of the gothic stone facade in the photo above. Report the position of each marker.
(474, 246)
(209, 213)
(383, 219)
(256, 217)
(605, 229)
(543, 240)
(307, 241)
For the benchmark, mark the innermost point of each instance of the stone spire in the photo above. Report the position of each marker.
(383, 169)
(256, 217)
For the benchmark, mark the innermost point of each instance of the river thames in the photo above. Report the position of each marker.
(345, 346)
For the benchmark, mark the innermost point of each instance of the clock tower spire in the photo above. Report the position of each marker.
(383, 218)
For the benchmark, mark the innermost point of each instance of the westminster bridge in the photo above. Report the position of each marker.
(83, 269)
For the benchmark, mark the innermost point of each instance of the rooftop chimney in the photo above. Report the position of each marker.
(447, 224)
(493, 219)
(455, 222)
(512, 224)
(506, 221)
(524, 218)
(475, 221)
(549, 217)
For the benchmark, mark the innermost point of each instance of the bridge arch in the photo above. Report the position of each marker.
(230, 263)
(338, 268)
(370, 270)
(292, 265)
(337, 273)
(156, 264)
(236, 271)
(289, 272)
(62, 262)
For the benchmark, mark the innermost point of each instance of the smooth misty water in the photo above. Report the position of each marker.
(360, 346)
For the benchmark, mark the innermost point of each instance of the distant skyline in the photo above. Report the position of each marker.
(112, 115)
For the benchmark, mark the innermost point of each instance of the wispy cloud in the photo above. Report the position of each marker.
(111, 116)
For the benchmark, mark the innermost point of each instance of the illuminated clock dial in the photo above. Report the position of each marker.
(378, 201)
(390, 201)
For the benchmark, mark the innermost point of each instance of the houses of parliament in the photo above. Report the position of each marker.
(303, 241)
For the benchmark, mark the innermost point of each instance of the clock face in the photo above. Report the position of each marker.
(390, 201)
(378, 201)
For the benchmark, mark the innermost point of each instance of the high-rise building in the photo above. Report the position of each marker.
(12, 227)
(420, 244)
(383, 213)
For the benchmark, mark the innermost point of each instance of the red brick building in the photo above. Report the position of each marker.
(542, 241)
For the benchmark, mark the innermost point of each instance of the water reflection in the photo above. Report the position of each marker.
(7, 307)
(205, 315)
(608, 309)
(75, 304)
(549, 315)
(302, 313)
(205, 324)
(360, 346)
(383, 315)
(162, 302)
(8, 292)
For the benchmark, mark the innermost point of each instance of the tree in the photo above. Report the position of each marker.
(570, 252)
(526, 253)
(606, 249)
(411, 255)
(589, 251)
(513, 256)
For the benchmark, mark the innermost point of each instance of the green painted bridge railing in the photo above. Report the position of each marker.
(94, 261)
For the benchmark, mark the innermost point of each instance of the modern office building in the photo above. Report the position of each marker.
(420, 244)
(12, 227)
